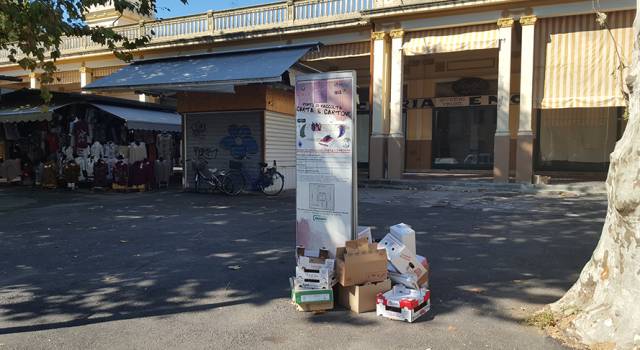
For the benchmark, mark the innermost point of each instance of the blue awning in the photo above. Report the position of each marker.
(144, 119)
(217, 71)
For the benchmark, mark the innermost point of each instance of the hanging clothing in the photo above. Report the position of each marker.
(164, 145)
(83, 152)
(124, 151)
(38, 172)
(162, 172)
(111, 162)
(137, 152)
(50, 174)
(90, 163)
(11, 132)
(68, 152)
(109, 150)
(121, 173)
(100, 172)
(10, 170)
(53, 143)
(81, 134)
(152, 152)
(71, 172)
(138, 174)
(82, 166)
(97, 150)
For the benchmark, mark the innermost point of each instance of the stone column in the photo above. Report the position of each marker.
(501, 140)
(34, 82)
(524, 153)
(377, 141)
(395, 143)
(86, 77)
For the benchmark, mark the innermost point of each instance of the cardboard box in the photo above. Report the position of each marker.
(403, 304)
(311, 299)
(360, 262)
(362, 298)
(405, 234)
(315, 279)
(314, 260)
(365, 231)
(423, 261)
(314, 307)
(403, 260)
(405, 279)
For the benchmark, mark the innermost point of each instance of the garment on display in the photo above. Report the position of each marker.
(100, 172)
(87, 138)
(10, 171)
(121, 173)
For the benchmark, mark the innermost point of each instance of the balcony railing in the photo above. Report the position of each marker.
(269, 16)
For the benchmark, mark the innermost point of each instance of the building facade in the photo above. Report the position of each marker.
(508, 89)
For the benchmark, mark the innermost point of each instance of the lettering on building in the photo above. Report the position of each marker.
(456, 101)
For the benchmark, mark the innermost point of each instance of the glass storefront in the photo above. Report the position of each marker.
(463, 137)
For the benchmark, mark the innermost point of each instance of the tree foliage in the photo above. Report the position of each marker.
(32, 30)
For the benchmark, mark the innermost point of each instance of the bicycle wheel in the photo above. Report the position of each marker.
(232, 183)
(275, 187)
(201, 186)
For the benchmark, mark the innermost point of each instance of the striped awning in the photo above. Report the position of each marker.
(576, 64)
(339, 51)
(475, 37)
(27, 113)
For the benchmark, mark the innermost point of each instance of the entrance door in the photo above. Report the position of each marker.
(463, 137)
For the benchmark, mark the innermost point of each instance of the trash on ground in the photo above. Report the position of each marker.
(387, 277)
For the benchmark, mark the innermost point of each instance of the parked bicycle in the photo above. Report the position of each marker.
(269, 180)
(211, 179)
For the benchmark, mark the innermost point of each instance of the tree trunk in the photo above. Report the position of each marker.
(604, 304)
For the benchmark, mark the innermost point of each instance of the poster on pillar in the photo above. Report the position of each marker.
(326, 191)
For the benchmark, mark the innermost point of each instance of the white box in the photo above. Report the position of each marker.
(315, 279)
(403, 304)
(365, 231)
(408, 280)
(405, 234)
(403, 260)
(314, 260)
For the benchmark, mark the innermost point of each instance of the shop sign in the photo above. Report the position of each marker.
(326, 197)
(457, 101)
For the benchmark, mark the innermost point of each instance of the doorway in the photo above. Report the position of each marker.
(463, 137)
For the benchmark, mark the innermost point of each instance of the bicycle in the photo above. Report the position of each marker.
(214, 180)
(269, 181)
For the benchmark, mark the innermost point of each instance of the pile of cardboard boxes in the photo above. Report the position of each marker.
(312, 287)
(387, 277)
(410, 297)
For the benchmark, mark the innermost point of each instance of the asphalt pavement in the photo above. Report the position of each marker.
(174, 270)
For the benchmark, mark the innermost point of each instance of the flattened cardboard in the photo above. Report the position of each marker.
(360, 262)
(362, 298)
(403, 260)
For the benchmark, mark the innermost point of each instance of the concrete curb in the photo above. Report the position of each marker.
(578, 188)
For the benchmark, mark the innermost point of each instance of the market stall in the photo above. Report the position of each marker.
(83, 140)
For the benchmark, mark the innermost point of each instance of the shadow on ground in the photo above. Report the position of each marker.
(76, 259)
